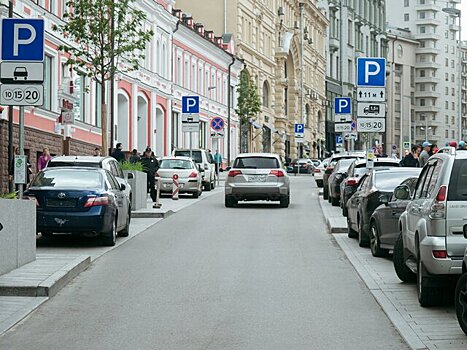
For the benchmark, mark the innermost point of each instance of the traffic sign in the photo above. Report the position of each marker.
(347, 127)
(217, 134)
(339, 140)
(22, 72)
(22, 95)
(406, 145)
(190, 127)
(370, 160)
(371, 125)
(366, 109)
(371, 71)
(190, 118)
(371, 94)
(299, 130)
(22, 39)
(217, 123)
(190, 104)
(342, 118)
(342, 105)
(351, 135)
(68, 117)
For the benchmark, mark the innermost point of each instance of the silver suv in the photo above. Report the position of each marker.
(460, 299)
(257, 176)
(433, 227)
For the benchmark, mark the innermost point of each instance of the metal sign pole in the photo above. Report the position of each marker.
(21, 146)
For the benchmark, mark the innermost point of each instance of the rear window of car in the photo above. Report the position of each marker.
(360, 171)
(343, 164)
(458, 182)
(65, 178)
(256, 163)
(195, 155)
(389, 180)
(55, 164)
(175, 164)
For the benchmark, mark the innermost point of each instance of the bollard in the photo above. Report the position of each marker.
(175, 187)
(157, 205)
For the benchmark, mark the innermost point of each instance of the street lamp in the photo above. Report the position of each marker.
(452, 11)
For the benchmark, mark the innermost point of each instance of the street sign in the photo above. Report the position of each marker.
(339, 140)
(342, 118)
(371, 71)
(217, 134)
(20, 170)
(342, 105)
(370, 160)
(190, 118)
(190, 104)
(351, 135)
(406, 145)
(371, 94)
(371, 125)
(22, 39)
(68, 117)
(343, 127)
(299, 130)
(298, 139)
(366, 109)
(21, 95)
(217, 123)
(22, 72)
(190, 127)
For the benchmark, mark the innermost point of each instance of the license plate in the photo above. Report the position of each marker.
(257, 178)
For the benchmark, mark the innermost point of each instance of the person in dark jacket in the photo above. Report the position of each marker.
(134, 158)
(150, 167)
(118, 153)
(409, 160)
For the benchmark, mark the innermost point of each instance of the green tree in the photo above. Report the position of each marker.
(108, 37)
(248, 106)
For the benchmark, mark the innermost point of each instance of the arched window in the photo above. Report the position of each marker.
(266, 94)
(307, 115)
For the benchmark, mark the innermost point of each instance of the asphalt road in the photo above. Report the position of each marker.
(253, 277)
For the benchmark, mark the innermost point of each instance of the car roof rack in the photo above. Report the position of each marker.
(449, 150)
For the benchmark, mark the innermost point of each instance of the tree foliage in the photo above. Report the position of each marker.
(249, 101)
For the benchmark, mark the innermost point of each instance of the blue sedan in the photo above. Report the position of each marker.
(80, 201)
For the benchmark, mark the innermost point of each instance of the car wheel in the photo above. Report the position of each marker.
(350, 231)
(376, 250)
(427, 296)
(195, 194)
(230, 202)
(402, 271)
(460, 301)
(362, 242)
(345, 211)
(213, 184)
(285, 201)
(207, 187)
(126, 230)
(110, 238)
(334, 201)
(329, 196)
(319, 183)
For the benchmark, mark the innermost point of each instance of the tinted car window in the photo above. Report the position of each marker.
(113, 169)
(53, 164)
(256, 163)
(175, 164)
(68, 178)
(458, 182)
(113, 183)
(195, 155)
(389, 180)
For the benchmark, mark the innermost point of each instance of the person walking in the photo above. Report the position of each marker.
(150, 167)
(97, 152)
(424, 156)
(217, 161)
(43, 159)
(134, 158)
(118, 153)
(409, 160)
(461, 145)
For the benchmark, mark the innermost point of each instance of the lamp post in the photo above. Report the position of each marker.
(452, 11)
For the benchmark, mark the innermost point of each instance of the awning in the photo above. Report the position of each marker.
(256, 125)
(269, 126)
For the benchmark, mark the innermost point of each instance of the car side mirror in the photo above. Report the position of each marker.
(122, 187)
(402, 192)
(130, 176)
(228, 168)
(384, 199)
(199, 167)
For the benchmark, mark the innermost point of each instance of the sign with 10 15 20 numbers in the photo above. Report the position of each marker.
(22, 95)
(371, 124)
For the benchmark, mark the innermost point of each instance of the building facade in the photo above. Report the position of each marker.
(282, 45)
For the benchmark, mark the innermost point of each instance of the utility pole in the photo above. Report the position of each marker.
(11, 156)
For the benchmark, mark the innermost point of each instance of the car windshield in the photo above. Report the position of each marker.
(54, 164)
(256, 163)
(344, 164)
(175, 164)
(389, 180)
(195, 155)
(64, 178)
(360, 171)
(458, 182)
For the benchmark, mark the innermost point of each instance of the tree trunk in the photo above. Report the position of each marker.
(105, 150)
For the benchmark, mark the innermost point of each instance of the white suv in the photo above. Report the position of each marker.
(433, 227)
(205, 160)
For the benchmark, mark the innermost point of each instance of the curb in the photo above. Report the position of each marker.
(151, 215)
(332, 227)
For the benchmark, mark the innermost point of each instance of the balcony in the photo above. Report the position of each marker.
(454, 27)
(423, 50)
(334, 43)
(428, 21)
(427, 109)
(426, 7)
(433, 80)
(427, 94)
(428, 65)
(424, 36)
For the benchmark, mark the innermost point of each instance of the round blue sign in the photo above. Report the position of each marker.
(217, 123)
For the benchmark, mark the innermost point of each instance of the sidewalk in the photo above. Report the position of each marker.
(335, 221)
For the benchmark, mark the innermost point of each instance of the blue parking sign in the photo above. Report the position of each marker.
(190, 104)
(22, 39)
(299, 128)
(371, 71)
(342, 105)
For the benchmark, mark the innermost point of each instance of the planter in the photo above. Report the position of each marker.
(17, 234)
(138, 183)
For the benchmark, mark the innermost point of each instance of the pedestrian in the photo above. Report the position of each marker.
(97, 152)
(43, 159)
(461, 145)
(118, 153)
(134, 158)
(453, 144)
(150, 167)
(409, 159)
(433, 149)
(217, 161)
(424, 156)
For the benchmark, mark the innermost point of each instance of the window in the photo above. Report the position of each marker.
(48, 85)
(186, 76)
(202, 134)
(422, 29)
(266, 94)
(406, 3)
(453, 106)
(97, 106)
(446, 119)
(422, 73)
(446, 76)
(422, 103)
(446, 91)
(179, 71)
(422, 15)
(174, 131)
(453, 92)
(446, 104)
(79, 83)
(452, 63)
(452, 120)
(446, 62)
(458, 181)
(422, 87)
(406, 17)
(452, 78)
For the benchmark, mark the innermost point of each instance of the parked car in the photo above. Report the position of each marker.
(205, 159)
(331, 165)
(301, 166)
(335, 179)
(189, 175)
(384, 223)
(107, 163)
(318, 172)
(366, 199)
(356, 170)
(433, 235)
(460, 296)
(87, 201)
(257, 176)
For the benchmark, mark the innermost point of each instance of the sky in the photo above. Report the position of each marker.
(463, 8)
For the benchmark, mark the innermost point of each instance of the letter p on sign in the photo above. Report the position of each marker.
(371, 71)
(22, 39)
